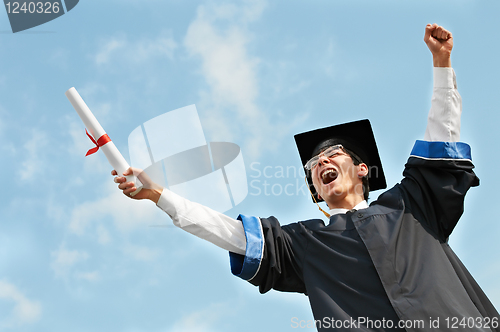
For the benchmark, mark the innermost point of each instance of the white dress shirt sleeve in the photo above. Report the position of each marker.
(443, 122)
(204, 222)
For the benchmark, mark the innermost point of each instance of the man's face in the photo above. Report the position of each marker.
(337, 180)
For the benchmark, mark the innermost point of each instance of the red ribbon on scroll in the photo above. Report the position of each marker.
(100, 142)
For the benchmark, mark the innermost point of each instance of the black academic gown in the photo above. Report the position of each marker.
(389, 264)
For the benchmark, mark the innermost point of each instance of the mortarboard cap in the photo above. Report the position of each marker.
(354, 136)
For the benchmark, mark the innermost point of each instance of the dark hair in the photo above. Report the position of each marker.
(364, 180)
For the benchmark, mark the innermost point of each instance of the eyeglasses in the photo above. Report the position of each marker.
(328, 153)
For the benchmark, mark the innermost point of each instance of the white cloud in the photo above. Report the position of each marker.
(60, 58)
(1, 122)
(204, 320)
(64, 264)
(108, 48)
(228, 68)
(55, 210)
(120, 48)
(298, 87)
(88, 276)
(125, 213)
(329, 60)
(7, 146)
(25, 311)
(63, 261)
(33, 148)
(141, 253)
(103, 236)
(162, 46)
(219, 36)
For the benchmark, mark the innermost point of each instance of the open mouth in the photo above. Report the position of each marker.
(329, 176)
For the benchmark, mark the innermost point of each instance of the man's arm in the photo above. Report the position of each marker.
(194, 218)
(439, 172)
(446, 106)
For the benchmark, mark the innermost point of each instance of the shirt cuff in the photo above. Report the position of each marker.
(444, 77)
(168, 201)
(247, 266)
(441, 150)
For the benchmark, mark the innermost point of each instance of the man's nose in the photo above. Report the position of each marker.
(323, 160)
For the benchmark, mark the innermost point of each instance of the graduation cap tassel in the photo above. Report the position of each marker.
(319, 207)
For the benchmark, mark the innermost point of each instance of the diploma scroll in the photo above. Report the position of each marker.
(114, 156)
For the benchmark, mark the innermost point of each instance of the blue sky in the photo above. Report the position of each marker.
(76, 255)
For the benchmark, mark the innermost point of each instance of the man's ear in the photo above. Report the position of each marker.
(362, 170)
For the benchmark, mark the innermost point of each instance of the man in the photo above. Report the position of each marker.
(381, 267)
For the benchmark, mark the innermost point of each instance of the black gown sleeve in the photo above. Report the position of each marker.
(273, 257)
(436, 178)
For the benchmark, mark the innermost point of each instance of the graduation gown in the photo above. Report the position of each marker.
(387, 263)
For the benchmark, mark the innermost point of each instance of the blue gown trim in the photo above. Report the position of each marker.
(247, 266)
(441, 150)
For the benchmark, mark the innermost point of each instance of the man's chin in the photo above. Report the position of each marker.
(332, 195)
